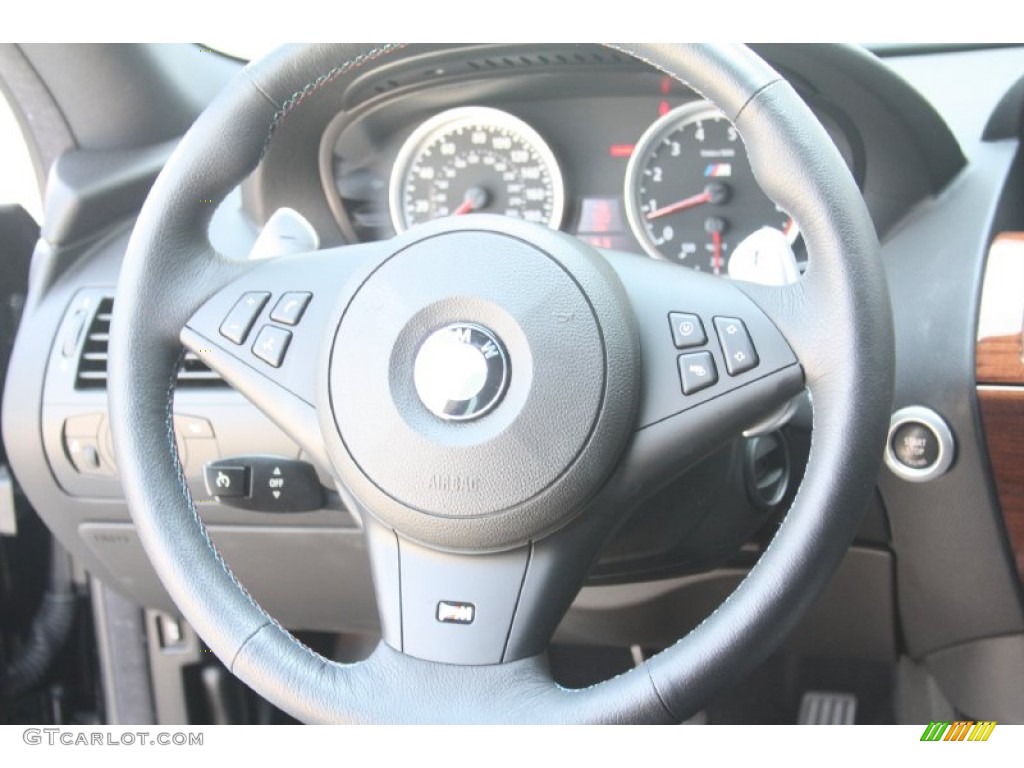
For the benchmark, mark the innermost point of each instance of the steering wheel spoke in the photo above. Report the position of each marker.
(443, 606)
(264, 330)
(713, 364)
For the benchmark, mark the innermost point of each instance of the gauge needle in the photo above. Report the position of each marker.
(475, 199)
(716, 256)
(682, 205)
(466, 207)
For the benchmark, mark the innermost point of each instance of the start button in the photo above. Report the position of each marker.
(920, 446)
(915, 445)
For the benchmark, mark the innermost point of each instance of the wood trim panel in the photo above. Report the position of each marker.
(999, 361)
(999, 355)
(1002, 414)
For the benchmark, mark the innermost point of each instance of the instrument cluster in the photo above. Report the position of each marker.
(664, 174)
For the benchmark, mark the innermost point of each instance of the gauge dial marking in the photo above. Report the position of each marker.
(694, 147)
(475, 159)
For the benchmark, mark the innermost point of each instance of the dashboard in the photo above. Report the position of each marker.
(590, 142)
(592, 125)
(644, 166)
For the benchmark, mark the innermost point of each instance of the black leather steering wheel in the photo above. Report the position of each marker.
(481, 530)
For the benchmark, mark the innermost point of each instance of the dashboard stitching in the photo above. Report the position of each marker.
(293, 101)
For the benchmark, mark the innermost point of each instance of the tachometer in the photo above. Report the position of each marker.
(475, 159)
(691, 196)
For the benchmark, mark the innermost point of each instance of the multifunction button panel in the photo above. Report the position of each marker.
(697, 369)
(272, 322)
(272, 340)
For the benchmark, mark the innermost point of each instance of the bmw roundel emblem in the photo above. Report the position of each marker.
(461, 372)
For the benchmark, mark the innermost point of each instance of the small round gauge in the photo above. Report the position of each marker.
(691, 196)
(475, 159)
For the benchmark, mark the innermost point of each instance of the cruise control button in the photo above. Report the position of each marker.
(240, 319)
(285, 485)
(737, 348)
(687, 330)
(697, 371)
(289, 308)
(271, 345)
(265, 484)
(226, 481)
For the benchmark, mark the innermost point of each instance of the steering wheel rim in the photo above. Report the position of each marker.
(171, 270)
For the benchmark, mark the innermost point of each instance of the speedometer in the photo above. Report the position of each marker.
(475, 159)
(690, 194)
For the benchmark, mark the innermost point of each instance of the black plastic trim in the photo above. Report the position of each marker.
(92, 189)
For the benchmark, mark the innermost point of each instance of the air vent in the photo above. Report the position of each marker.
(550, 57)
(92, 364)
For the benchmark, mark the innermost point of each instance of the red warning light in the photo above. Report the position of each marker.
(602, 216)
(666, 85)
(599, 241)
(621, 150)
(663, 108)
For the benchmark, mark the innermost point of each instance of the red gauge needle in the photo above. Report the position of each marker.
(475, 199)
(689, 202)
(716, 256)
(466, 207)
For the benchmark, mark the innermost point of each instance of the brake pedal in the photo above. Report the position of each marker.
(827, 708)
